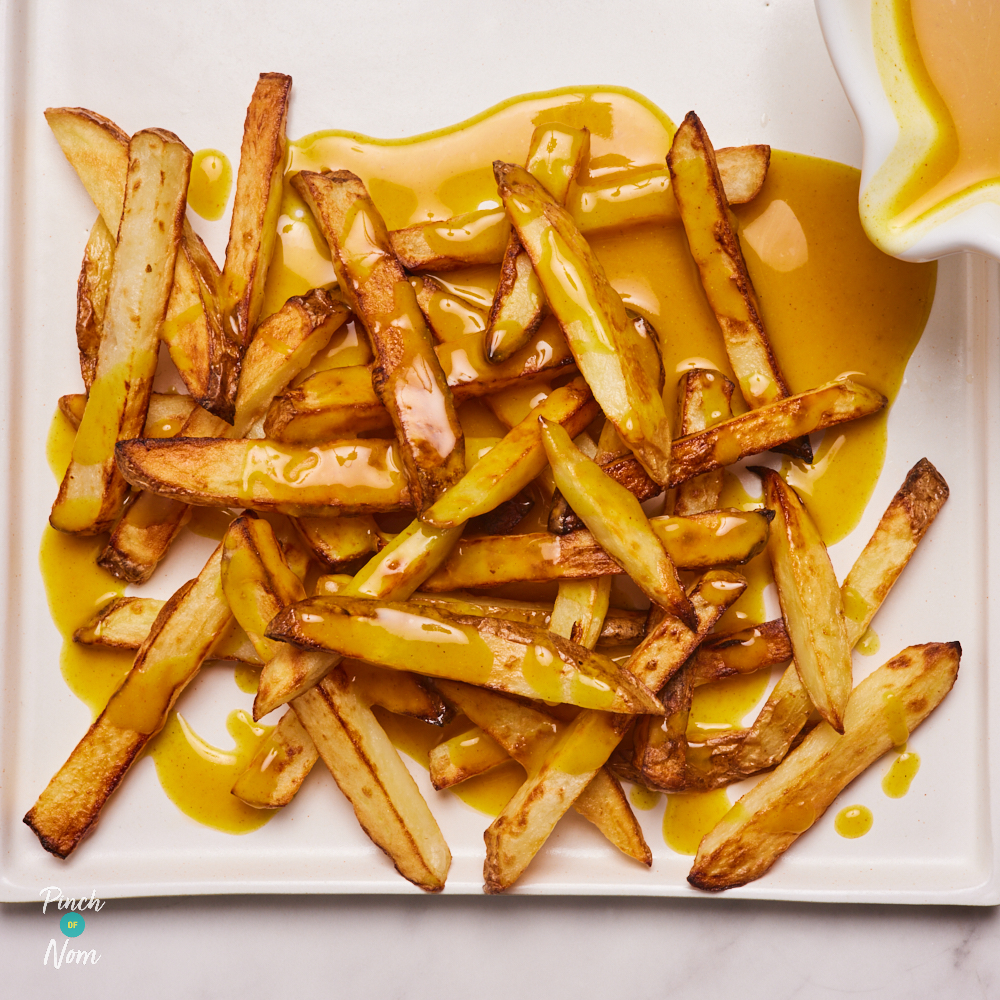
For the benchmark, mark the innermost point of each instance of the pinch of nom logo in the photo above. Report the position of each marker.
(72, 925)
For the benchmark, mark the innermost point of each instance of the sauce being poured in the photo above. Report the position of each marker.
(210, 184)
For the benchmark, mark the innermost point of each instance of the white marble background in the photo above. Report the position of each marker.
(482, 948)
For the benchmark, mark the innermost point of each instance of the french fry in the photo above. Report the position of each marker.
(518, 833)
(342, 477)
(616, 520)
(715, 246)
(515, 461)
(281, 347)
(704, 402)
(150, 523)
(578, 615)
(743, 170)
(611, 353)
(905, 522)
(336, 541)
(910, 513)
(405, 563)
(769, 426)
(98, 151)
(713, 537)
(142, 536)
(518, 307)
(369, 772)
(206, 359)
(555, 155)
(396, 692)
(580, 608)
(641, 197)
(256, 205)
(92, 297)
(282, 762)
(692, 543)
(670, 643)
(165, 416)
(465, 756)
(619, 628)
(333, 402)
(181, 638)
(448, 317)
(500, 655)
(763, 824)
(93, 491)
(287, 755)
(744, 652)
(527, 734)
(628, 199)
(407, 376)
(126, 621)
(258, 583)
(614, 457)
(811, 603)
(468, 240)
(493, 560)
(257, 579)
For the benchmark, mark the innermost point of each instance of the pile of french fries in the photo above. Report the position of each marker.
(310, 462)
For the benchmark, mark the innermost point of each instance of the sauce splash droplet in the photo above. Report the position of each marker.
(904, 769)
(853, 821)
(210, 184)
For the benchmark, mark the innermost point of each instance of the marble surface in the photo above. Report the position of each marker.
(389, 947)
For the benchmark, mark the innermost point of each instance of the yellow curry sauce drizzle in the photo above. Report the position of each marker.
(488, 792)
(832, 303)
(196, 776)
(92, 673)
(210, 184)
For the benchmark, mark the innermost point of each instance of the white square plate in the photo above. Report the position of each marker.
(386, 70)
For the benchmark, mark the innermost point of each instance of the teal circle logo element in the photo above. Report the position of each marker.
(72, 924)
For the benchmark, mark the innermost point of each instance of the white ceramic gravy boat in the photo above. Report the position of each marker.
(971, 222)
